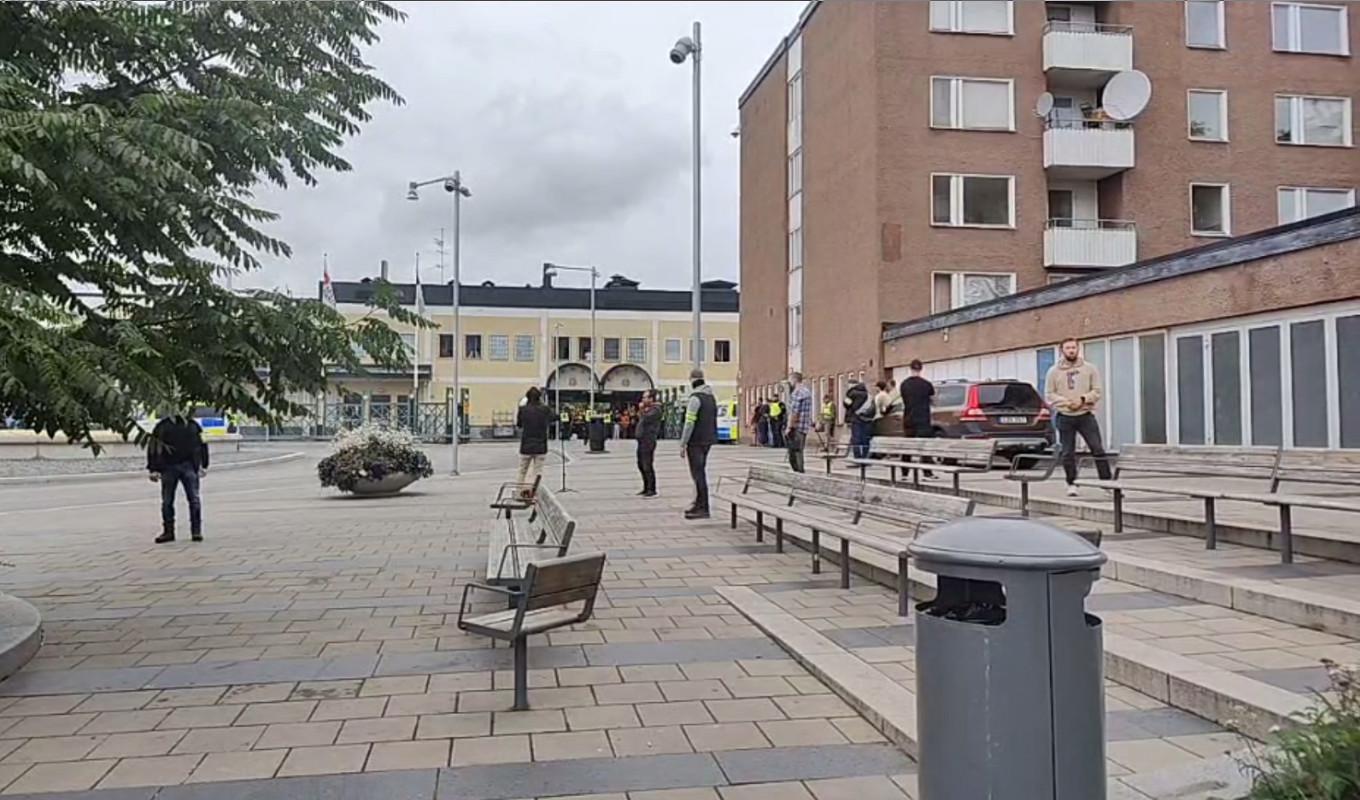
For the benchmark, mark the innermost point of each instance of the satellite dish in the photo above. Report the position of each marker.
(1044, 105)
(1127, 95)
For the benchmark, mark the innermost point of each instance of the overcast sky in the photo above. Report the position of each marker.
(572, 130)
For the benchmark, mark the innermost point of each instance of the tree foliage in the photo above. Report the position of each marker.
(132, 138)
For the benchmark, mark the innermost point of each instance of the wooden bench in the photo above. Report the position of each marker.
(950, 456)
(1027, 468)
(881, 518)
(1173, 470)
(545, 601)
(1306, 465)
(516, 541)
(516, 496)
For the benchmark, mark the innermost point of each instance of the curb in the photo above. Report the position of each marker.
(26, 480)
(20, 634)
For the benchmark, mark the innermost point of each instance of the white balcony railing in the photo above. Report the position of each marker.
(1087, 148)
(1088, 47)
(1090, 243)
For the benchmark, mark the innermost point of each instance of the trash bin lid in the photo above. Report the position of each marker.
(1007, 543)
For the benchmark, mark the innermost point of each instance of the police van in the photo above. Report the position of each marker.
(729, 422)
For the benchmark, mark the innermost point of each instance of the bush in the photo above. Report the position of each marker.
(374, 453)
(1320, 759)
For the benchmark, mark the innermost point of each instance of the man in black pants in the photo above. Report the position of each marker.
(648, 430)
(176, 455)
(916, 392)
(699, 434)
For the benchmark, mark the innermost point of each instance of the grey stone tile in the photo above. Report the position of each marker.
(660, 591)
(809, 763)
(698, 550)
(853, 638)
(686, 652)
(216, 608)
(79, 681)
(283, 670)
(581, 776)
(140, 793)
(477, 660)
(400, 785)
(1163, 722)
(369, 602)
(1133, 601)
(1311, 569)
(792, 586)
(1303, 680)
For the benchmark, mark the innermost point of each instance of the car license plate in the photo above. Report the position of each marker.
(1014, 420)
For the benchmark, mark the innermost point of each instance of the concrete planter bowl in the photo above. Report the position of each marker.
(387, 485)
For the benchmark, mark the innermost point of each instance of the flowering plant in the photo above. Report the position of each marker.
(371, 452)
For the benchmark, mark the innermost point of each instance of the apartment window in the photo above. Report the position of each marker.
(637, 351)
(446, 345)
(722, 351)
(795, 249)
(498, 347)
(1210, 209)
(673, 351)
(796, 325)
(796, 172)
(613, 349)
(1313, 120)
(563, 346)
(1207, 111)
(986, 104)
(1204, 24)
(1298, 202)
(972, 16)
(986, 201)
(958, 289)
(472, 346)
(584, 347)
(524, 347)
(1308, 28)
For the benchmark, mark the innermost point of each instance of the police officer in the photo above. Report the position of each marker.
(698, 436)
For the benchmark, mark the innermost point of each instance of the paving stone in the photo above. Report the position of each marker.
(725, 736)
(273, 713)
(403, 785)
(201, 717)
(327, 690)
(587, 676)
(137, 745)
(115, 701)
(384, 729)
(60, 682)
(809, 763)
(680, 652)
(54, 725)
(602, 717)
(220, 740)
(816, 705)
(126, 721)
(534, 721)
(650, 673)
(714, 670)
(694, 690)
(177, 698)
(358, 708)
(489, 750)
(857, 731)
(238, 766)
(325, 760)
(57, 748)
(411, 684)
(765, 791)
(299, 734)
(643, 692)
(649, 741)
(73, 776)
(262, 693)
(453, 726)
(676, 794)
(801, 732)
(476, 660)
(154, 771)
(747, 710)
(875, 787)
(599, 775)
(408, 755)
(563, 746)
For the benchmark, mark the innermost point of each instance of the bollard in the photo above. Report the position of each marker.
(1009, 666)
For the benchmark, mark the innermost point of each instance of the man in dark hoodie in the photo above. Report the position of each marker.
(860, 412)
(648, 431)
(698, 436)
(176, 455)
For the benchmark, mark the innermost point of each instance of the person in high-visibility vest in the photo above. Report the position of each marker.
(829, 422)
(776, 424)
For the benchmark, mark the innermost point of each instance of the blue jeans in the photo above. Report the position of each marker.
(860, 434)
(185, 474)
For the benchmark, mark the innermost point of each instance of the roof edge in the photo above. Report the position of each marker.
(779, 50)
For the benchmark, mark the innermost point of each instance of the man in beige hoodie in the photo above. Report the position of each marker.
(1072, 389)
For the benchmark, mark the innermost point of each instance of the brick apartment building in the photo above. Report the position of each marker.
(893, 166)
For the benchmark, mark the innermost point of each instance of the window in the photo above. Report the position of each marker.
(722, 351)
(584, 347)
(613, 347)
(1210, 209)
(1348, 378)
(703, 348)
(796, 172)
(796, 325)
(472, 345)
(1307, 28)
(1061, 203)
(984, 201)
(1263, 348)
(637, 351)
(1207, 112)
(672, 351)
(524, 347)
(1298, 203)
(1204, 24)
(958, 289)
(972, 104)
(1190, 390)
(1152, 362)
(1308, 368)
(446, 345)
(972, 16)
(563, 348)
(1313, 120)
(1225, 366)
(498, 347)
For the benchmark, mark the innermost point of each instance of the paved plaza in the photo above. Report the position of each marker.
(309, 646)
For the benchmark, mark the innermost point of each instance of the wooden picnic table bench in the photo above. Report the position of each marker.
(546, 599)
(951, 456)
(881, 518)
(517, 540)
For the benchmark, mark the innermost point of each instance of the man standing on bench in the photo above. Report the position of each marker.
(699, 434)
(1072, 388)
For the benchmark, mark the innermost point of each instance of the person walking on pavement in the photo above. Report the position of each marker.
(1072, 388)
(648, 430)
(800, 420)
(533, 420)
(177, 456)
(916, 392)
(859, 409)
(698, 436)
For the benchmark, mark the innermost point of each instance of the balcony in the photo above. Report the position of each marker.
(1090, 243)
(1087, 149)
(1086, 53)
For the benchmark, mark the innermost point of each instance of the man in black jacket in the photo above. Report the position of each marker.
(859, 412)
(648, 431)
(176, 455)
(697, 438)
(533, 421)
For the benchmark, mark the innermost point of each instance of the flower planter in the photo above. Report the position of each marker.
(388, 484)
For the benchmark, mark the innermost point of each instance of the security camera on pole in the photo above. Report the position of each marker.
(690, 47)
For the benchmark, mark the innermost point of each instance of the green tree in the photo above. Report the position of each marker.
(132, 138)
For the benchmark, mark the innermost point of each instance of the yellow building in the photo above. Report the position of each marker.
(515, 337)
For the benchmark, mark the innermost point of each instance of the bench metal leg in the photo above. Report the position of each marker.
(892, 475)
(903, 587)
(779, 535)
(1118, 511)
(760, 527)
(916, 478)
(1024, 498)
(828, 466)
(734, 516)
(521, 674)
(1286, 536)
(845, 563)
(956, 484)
(816, 552)
(863, 472)
(1210, 525)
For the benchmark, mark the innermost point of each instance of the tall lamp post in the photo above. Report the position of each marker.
(454, 185)
(550, 269)
(691, 47)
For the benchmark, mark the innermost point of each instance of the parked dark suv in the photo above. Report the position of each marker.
(1010, 411)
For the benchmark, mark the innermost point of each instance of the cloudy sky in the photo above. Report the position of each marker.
(571, 128)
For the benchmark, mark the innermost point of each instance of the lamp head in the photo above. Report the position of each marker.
(684, 47)
(411, 193)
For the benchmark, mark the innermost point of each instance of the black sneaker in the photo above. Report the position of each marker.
(697, 513)
(197, 537)
(167, 534)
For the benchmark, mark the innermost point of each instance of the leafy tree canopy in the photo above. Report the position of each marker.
(132, 137)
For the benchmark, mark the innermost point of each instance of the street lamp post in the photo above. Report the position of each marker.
(551, 269)
(691, 47)
(454, 185)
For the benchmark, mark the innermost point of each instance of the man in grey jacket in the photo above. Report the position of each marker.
(698, 436)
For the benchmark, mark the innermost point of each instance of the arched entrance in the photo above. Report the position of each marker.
(627, 379)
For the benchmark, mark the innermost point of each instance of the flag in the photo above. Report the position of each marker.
(327, 289)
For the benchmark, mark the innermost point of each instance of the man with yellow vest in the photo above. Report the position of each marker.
(776, 423)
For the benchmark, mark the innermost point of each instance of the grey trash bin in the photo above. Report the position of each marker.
(1009, 672)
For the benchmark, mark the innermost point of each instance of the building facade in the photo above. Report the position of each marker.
(515, 337)
(894, 163)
